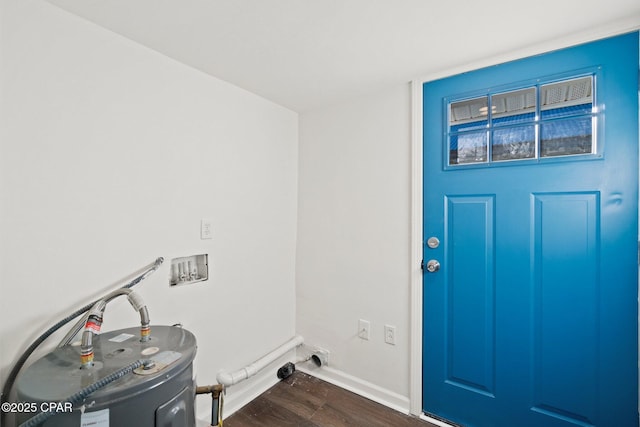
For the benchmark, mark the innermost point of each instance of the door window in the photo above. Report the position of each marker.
(551, 119)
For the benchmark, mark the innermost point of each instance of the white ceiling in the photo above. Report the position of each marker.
(306, 54)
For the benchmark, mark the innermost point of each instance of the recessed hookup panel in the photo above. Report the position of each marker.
(189, 269)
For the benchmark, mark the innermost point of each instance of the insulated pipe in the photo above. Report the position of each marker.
(231, 378)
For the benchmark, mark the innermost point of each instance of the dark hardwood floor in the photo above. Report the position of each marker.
(305, 401)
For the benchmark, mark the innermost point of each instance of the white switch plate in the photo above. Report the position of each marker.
(206, 229)
(390, 334)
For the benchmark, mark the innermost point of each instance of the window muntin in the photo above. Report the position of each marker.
(546, 120)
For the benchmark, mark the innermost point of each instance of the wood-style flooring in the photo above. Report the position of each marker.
(305, 401)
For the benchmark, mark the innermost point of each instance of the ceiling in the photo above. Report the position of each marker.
(308, 54)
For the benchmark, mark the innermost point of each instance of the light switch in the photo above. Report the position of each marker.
(206, 229)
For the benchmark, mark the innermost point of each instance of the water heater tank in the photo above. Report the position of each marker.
(160, 396)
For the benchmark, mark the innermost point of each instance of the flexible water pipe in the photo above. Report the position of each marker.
(81, 323)
(94, 323)
(8, 385)
(231, 378)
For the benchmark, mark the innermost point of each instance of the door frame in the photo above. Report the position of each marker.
(416, 250)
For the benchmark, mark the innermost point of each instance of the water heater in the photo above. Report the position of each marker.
(159, 394)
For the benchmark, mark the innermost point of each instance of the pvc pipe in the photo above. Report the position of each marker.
(231, 378)
(320, 358)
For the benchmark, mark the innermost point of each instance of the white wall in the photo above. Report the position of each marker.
(110, 156)
(354, 239)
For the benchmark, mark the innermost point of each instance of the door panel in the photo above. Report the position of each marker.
(565, 243)
(469, 239)
(531, 319)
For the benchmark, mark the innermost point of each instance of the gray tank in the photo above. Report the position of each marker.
(159, 396)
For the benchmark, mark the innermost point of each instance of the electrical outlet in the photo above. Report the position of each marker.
(364, 327)
(390, 334)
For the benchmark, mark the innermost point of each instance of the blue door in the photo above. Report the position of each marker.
(530, 241)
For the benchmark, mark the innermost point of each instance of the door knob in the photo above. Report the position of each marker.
(433, 266)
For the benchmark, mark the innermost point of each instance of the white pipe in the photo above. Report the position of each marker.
(231, 378)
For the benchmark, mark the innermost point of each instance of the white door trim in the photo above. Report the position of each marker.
(415, 357)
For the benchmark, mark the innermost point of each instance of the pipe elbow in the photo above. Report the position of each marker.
(225, 378)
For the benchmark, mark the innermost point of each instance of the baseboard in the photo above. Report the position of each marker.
(358, 386)
(241, 394)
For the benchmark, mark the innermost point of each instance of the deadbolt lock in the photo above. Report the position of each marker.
(433, 242)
